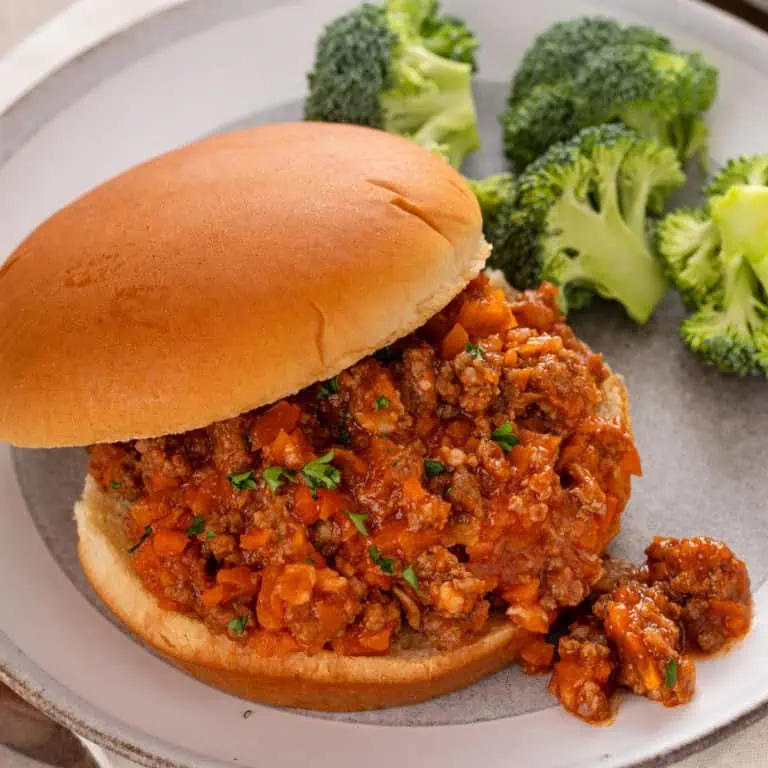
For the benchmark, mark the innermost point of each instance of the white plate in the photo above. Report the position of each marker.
(205, 65)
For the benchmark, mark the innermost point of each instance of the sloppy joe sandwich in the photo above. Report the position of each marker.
(332, 463)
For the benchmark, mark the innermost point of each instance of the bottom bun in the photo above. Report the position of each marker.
(325, 681)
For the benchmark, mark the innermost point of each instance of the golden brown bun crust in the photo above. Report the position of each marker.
(224, 276)
(324, 681)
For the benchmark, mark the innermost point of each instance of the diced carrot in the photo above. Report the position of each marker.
(541, 345)
(255, 539)
(483, 316)
(349, 461)
(522, 593)
(213, 596)
(630, 463)
(510, 358)
(538, 654)
(282, 416)
(240, 577)
(454, 342)
(413, 489)
(290, 450)
(331, 503)
(305, 505)
(376, 641)
(167, 543)
(520, 456)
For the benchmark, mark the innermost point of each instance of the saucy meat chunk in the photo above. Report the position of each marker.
(711, 584)
(584, 677)
(643, 625)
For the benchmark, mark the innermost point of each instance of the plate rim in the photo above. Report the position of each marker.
(106, 23)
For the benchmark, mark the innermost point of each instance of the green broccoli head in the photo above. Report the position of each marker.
(581, 217)
(731, 334)
(689, 244)
(659, 94)
(543, 117)
(559, 51)
(493, 192)
(402, 68)
(752, 170)
(717, 257)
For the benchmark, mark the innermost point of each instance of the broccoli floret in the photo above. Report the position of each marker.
(580, 217)
(402, 68)
(543, 117)
(689, 242)
(659, 94)
(493, 192)
(717, 257)
(730, 334)
(751, 170)
(559, 51)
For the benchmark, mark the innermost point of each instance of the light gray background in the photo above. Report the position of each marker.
(748, 749)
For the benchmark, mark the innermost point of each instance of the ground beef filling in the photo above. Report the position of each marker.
(468, 465)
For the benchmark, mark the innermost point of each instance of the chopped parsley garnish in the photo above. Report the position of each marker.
(310, 560)
(237, 626)
(449, 491)
(410, 576)
(505, 437)
(320, 473)
(115, 486)
(474, 350)
(385, 563)
(197, 527)
(433, 468)
(381, 403)
(210, 535)
(144, 536)
(275, 477)
(358, 520)
(670, 676)
(329, 388)
(243, 481)
(342, 434)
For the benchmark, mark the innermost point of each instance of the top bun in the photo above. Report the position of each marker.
(224, 276)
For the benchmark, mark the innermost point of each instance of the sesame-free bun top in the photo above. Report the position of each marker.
(224, 276)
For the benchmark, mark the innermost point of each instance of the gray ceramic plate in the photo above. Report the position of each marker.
(205, 66)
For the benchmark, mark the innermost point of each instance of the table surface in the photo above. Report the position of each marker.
(48, 744)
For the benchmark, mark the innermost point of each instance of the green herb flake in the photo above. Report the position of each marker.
(385, 563)
(310, 560)
(115, 486)
(197, 527)
(275, 477)
(237, 626)
(358, 520)
(381, 403)
(409, 574)
(433, 468)
(210, 536)
(243, 481)
(449, 491)
(505, 437)
(320, 473)
(474, 350)
(144, 536)
(670, 675)
(330, 387)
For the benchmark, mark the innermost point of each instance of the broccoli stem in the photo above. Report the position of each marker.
(636, 279)
(740, 305)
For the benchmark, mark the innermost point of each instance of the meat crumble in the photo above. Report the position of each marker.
(472, 464)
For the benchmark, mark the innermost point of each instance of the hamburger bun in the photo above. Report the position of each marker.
(143, 320)
(323, 681)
